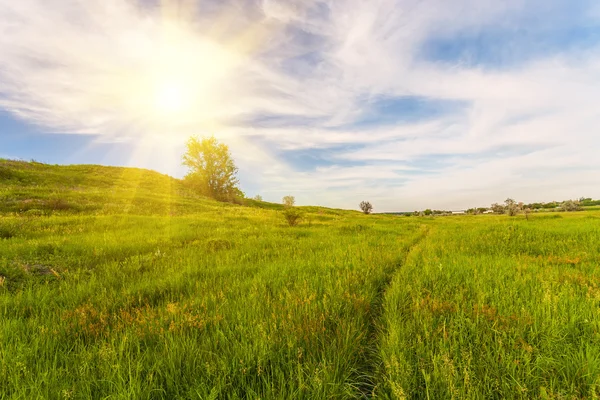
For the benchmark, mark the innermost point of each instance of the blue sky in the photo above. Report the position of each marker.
(409, 104)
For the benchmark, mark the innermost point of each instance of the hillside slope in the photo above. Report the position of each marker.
(35, 188)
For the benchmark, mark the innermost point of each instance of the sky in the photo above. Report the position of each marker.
(409, 104)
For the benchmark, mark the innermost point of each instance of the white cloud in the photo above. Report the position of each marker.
(527, 129)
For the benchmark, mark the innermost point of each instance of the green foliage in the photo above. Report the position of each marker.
(511, 207)
(587, 202)
(212, 170)
(571, 205)
(293, 216)
(498, 208)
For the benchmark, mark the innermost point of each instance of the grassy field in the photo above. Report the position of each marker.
(119, 283)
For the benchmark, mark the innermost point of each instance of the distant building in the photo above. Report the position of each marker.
(460, 212)
(488, 212)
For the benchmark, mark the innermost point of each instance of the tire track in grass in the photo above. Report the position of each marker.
(369, 373)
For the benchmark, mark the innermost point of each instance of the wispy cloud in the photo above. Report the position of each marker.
(407, 103)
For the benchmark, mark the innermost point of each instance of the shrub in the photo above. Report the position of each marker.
(292, 216)
(366, 207)
(570, 205)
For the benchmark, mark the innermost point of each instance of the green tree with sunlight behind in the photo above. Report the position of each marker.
(212, 170)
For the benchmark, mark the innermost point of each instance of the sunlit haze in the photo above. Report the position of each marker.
(408, 104)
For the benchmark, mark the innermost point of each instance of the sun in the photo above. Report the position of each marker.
(175, 79)
(171, 97)
(186, 75)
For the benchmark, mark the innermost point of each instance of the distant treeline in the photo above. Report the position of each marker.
(583, 202)
(511, 207)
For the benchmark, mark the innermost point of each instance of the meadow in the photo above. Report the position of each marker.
(120, 284)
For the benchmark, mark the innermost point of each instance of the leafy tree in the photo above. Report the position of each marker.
(428, 212)
(571, 205)
(258, 197)
(589, 202)
(512, 207)
(498, 208)
(212, 170)
(366, 207)
(289, 201)
(534, 206)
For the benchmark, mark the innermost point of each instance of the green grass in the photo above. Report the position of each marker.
(499, 307)
(139, 289)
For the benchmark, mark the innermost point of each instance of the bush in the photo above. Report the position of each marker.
(292, 216)
(570, 205)
(366, 207)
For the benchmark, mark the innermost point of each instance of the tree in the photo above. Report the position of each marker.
(212, 170)
(258, 197)
(498, 208)
(511, 207)
(366, 207)
(289, 201)
(571, 205)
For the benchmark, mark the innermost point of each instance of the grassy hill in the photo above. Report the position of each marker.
(93, 189)
(119, 283)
